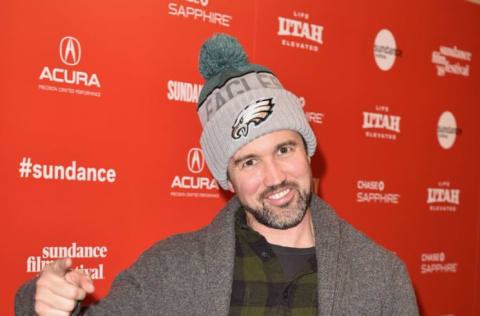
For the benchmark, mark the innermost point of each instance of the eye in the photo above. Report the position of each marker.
(285, 149)
(248, 163)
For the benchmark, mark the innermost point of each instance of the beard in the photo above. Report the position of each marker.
(283, 216)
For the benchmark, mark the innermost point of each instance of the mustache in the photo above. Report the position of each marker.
(283, 184)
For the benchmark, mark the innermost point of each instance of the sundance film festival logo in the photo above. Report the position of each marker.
(35, 264)
(373, 191)
(193, 185)
(437, 263)
(197, 10)
(73, 80)
(447, 130)
(385, 50)
(444, 66)
(300, 33)
(312, 117)
(443, 198)
(183, 91)
(381, 124)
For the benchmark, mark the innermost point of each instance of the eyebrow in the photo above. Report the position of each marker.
(287, 143)
(240, 159)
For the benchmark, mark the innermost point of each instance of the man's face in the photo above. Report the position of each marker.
(272, 178)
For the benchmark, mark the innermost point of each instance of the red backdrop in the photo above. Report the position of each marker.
(98, 128)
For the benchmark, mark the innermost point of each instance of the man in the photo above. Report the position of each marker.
(275, 249)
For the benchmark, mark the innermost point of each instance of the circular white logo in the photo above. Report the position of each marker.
(446, 130)
(70, 51)
(195, 160)
(384, 49)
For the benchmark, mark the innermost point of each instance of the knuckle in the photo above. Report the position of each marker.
(40, 308)
(39, 294)
(70, 305)
(73, 292)
(41, 282)
(81, 295)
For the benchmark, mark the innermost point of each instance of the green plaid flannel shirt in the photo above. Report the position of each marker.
(259, 285)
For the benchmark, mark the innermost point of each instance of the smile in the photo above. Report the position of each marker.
(281, 198)
(279, 195)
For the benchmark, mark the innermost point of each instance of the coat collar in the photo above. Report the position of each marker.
(326, 226)
(220, 258)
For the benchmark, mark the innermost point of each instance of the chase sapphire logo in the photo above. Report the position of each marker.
(255, 113)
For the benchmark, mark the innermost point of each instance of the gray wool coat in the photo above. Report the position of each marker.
(191, 274)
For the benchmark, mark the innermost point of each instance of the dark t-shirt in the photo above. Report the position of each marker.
(292, 259)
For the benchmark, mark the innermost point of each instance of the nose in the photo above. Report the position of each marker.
(274, 173)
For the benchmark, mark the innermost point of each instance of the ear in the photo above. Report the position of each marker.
(230, 187)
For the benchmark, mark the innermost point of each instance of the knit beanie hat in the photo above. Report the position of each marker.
(241, 102)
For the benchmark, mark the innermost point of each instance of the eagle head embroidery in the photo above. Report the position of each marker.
(255, 113)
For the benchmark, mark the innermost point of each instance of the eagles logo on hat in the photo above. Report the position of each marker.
(255, 113)
(231, 83)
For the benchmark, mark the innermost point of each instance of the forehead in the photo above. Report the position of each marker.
(267, 142)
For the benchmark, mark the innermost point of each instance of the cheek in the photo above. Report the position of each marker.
(299, 169)
(248, 186)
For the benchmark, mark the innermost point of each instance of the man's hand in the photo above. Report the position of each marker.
(59, 288)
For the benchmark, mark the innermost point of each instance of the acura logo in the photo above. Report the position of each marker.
(70, 51)
(195, 160)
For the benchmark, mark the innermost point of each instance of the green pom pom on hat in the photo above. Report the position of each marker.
(219, 53)
(221, 58)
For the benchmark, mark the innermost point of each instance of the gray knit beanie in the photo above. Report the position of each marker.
(241, 102)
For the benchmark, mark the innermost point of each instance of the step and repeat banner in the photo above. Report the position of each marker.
(99, 135)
